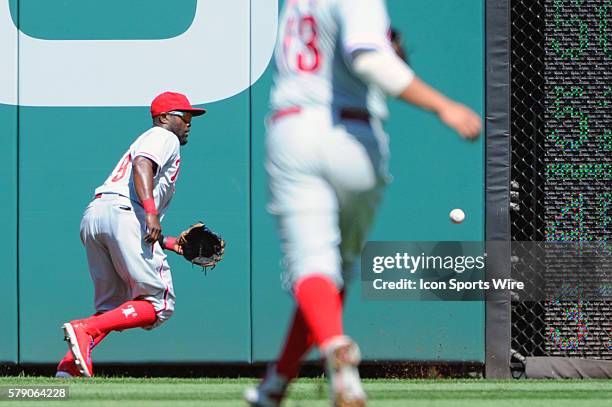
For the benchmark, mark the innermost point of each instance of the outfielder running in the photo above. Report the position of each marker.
(120, 230)
(327, 158)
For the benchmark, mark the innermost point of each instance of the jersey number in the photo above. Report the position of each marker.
(309, 57)
(120, 173)
(178, 169)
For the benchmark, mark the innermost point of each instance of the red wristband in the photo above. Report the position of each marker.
(169, 242)
(149, 206)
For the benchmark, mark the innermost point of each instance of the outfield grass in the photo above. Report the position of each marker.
(109, 392)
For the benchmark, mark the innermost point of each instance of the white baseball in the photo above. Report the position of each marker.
(457, 215)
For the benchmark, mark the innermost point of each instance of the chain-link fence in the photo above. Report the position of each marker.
(561, 130)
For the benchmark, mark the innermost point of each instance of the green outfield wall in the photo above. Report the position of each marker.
(8, 224)
(58, 145)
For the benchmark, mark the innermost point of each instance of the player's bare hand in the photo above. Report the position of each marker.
(461, 119)
(153, 228)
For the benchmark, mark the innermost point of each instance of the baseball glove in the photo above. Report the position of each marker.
(201, 246)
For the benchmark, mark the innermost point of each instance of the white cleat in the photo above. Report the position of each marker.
(63, 375)
(342, 357)
(270, 392)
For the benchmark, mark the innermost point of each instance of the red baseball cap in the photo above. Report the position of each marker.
(169, 101)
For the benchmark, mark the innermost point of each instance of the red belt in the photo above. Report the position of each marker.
(285, 112)
(345, 114)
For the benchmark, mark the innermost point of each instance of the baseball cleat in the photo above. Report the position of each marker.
(67, 369)
(60, 374)
(270, 392)
(80, 344)
(342, 357)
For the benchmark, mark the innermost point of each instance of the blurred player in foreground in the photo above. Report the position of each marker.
(327, 158)
(120, 230)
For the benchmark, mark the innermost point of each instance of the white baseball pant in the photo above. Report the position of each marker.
(122, 266)
(326, 176)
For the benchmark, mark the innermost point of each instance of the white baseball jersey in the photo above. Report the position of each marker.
(317, 39)
(163, 148)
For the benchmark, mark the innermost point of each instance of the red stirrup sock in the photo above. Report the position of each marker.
(320, 303)
(298, 342)
(131, 314)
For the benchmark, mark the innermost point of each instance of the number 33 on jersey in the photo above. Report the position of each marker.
(317, 39)
(300, 47)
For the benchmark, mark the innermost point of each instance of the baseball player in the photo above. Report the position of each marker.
(121, 229)
(327, 158)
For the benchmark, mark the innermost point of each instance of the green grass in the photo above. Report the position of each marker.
(109, 392)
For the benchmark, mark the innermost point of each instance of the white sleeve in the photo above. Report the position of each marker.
(158, 146)
(384, 69)
(364, 24)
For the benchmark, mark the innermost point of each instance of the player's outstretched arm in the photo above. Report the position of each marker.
(455, 115)
(395, 78)
(143, 184)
